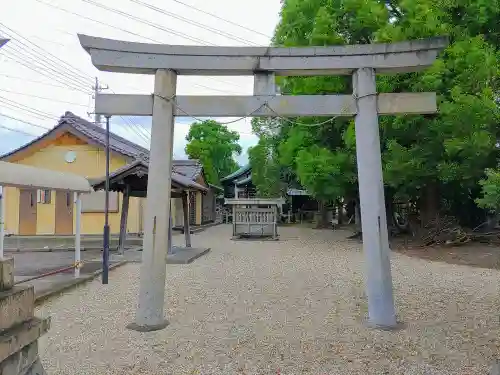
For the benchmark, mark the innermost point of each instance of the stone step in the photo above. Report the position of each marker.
(20, 362)
(16, 338)
(15, 243)
(17, 305)
(6, 273)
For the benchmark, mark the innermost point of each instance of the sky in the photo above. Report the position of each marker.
(44, 71)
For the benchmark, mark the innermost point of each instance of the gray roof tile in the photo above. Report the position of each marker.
(189, 168)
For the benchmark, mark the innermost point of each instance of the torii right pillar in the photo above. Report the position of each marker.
(378, 279)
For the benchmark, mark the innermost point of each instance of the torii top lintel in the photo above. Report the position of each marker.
(145, 58)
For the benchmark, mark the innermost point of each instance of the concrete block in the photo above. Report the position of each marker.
(495, 367)
(6, 273)
(20, 362)
(14, 339)
(16, 306)
(185, 255)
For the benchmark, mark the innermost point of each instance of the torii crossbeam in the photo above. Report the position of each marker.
(264, 63)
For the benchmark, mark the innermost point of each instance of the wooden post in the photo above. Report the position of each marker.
(123, 220)
(78, 221)
(234, 220)
(275, 214)
(185, 213)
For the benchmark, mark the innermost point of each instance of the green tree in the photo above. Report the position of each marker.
(426, 158)
(267, 173)
(215, 146)
(490, 189)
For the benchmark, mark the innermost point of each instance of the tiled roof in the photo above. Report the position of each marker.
(177, 179)
(97, 134)
(244, 181)
(237, 174)
(190, 168)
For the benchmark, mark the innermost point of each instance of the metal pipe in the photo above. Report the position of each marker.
(78, 225)
(2, 220)
(170, 249)
(76, 265)
(105, 252)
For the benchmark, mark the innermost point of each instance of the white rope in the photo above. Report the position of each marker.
(266, 104)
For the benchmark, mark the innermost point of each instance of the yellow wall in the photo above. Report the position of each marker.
(11, 210)
(90, 162)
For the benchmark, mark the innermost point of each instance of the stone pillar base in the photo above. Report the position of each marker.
(19, 328)
(147, 328)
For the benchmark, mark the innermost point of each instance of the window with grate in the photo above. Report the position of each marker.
(44, 196)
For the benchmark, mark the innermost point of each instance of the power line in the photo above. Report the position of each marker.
(142, 20)
(41, 59)
(135, 130)
(21, 52)
(24, 121)
(57, 60)
(96, 21)
(18, 131)
(36, 81)
(141, 135)
(137, 35)
(42, 72)
(48, 41)
(25, 108)
(222, 19)
(25, 61)
(44, 98)
(194, 23)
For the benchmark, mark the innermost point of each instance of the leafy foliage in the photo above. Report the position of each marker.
(450, 149)
(490, 187)
(214, 145)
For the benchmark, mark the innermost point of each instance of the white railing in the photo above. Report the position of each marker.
(254, 216)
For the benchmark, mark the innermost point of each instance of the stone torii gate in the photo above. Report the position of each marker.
(360, 61)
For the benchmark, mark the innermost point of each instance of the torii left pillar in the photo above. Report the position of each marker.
(150, 314)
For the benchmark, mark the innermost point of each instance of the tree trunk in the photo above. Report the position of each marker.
(323, 216)
(357, 216)
(389, 211)
(340, 213)
(429, 202)
(350, 209)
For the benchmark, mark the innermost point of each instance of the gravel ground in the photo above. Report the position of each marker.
(296, 306)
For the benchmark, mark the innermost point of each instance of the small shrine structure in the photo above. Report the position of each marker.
(255, 217)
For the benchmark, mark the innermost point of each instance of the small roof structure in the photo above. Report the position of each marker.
(254, 201)
(215, 187)
(135, 176)
(244, 181)
(24, 176)
(238, 173)
(292, 191)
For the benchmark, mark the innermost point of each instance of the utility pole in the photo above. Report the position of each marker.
(97, 89)
(2, 194)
